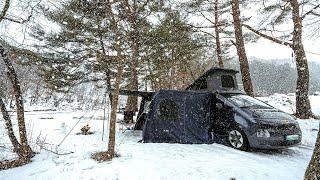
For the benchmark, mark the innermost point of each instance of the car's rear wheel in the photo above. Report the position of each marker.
(237, 139)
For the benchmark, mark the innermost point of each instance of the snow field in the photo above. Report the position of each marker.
(152, 160)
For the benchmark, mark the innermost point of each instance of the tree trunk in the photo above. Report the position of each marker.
(244, 65)
(114, 98)
(113, 119)
(8, 125)
(217, 33)
(4, 10)
(107, 70)
(313, 170)
(303, 108)
(132, 102)
(27, 151)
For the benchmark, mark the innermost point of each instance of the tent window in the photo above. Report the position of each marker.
(227, 81)
(168, 110)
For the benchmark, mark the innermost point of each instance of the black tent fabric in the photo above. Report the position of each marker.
(179, 117)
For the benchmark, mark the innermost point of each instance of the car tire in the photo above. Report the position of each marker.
(237, 139)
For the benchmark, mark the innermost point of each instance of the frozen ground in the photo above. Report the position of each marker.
(152, 161)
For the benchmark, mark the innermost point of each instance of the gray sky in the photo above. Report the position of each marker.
(263, 49)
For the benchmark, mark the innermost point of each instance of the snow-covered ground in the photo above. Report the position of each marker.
(152, 161)
(286, 103)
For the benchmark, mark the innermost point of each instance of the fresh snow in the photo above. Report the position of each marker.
(151, 160)
(286, 103)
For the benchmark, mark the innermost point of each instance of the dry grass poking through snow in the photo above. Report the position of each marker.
(104, 156)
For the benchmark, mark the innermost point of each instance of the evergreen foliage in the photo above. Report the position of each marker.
(174, 50)
(83, 49)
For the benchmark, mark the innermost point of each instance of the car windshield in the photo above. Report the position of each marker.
(244, 101)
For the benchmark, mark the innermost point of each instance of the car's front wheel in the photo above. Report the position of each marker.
(237, 139)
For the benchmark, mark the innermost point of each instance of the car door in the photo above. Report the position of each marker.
(223, 116)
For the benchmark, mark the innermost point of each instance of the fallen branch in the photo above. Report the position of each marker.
(57, 153)
(41, 142)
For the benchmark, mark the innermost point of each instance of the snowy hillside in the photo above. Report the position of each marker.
(152, 161)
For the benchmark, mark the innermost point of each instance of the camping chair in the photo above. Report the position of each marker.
(123, 126)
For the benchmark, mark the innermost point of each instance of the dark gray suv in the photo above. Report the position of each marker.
(249, 122)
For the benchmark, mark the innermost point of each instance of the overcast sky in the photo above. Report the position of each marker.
(263, 49)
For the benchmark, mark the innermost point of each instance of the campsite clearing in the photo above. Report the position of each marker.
(151, 160)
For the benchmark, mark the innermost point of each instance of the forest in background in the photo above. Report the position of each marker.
(268, 77)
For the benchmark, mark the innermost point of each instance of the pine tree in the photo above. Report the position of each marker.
(71, 56)
(216, 14)
(174, 53)
(135, 13)
(83, 44)
(279, 13)
(243, 60)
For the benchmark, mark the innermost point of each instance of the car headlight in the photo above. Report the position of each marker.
(263, 133)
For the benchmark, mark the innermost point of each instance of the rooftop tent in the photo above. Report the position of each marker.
(216, 79)
(179, 117)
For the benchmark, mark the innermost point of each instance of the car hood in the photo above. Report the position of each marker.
(271, 116)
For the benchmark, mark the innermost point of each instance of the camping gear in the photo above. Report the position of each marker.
(213, 109)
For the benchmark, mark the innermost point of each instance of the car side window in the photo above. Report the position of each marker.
(168, 110)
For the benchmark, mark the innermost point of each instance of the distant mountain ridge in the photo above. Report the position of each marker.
(271, 76)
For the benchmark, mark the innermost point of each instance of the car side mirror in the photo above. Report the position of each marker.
(219, 105)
